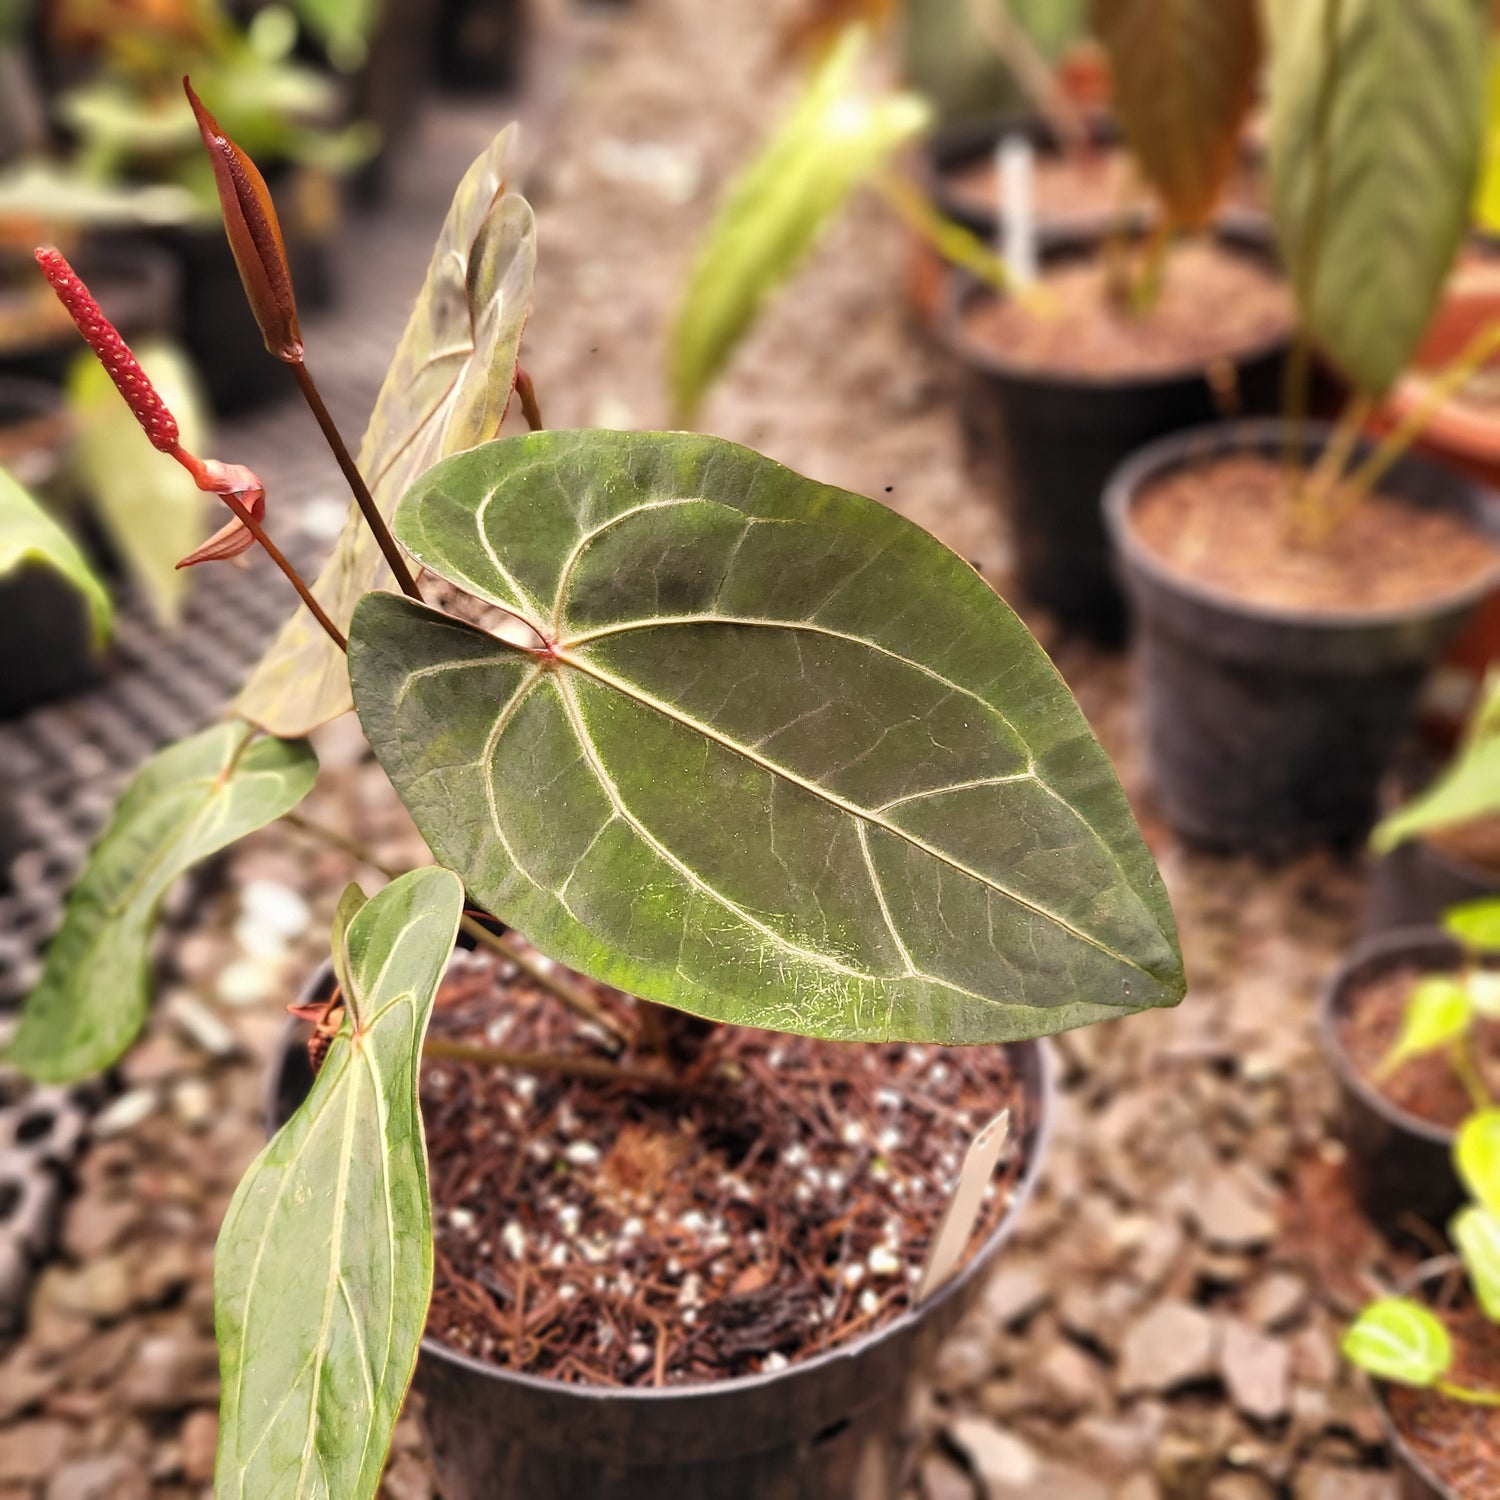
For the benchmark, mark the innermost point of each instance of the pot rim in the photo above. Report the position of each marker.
(1384, 945)
(1222, 439)
(1244, 235)
(712, 1390)
(1396, 1440)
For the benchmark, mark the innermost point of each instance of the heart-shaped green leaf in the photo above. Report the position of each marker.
(1184, 76)
(1371, 193)
(29, 535)
(187, 802)
(447, 389)
(1476, 1232)
(793, 763)
(1398, 1339)
(1437, 1013)
(835, 137)
(324, 1264)
(153, 511)
(1476, 1153)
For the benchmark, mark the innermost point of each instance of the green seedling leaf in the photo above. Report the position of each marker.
(1369, 221)
(1484, 992)
(835, 138)
(187, 802)
(349, 907)
(1476, 1232)
(1469, 789)
(1438, 1012)
(447, 389)
(1184, 76)
(1476, 1154)
(153, 511)
(324, 1266)
(793, 763)
(1476, 924)
(29, 535)
(1398, 1339)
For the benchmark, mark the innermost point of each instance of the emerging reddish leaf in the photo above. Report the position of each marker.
(234, 538)
(254, 237)
(104, 339)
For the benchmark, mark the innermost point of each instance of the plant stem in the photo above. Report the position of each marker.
(362, 496)
(1030, 69)
(339, 841)
(530, 408)
(274, 552)
(545, 975)
(1452, 378)
(549, 1062)
(1467, 1393)
(1314, 508)
(1462, 1059)
(1309, 252)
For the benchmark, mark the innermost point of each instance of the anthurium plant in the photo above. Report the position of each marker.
(742, 744)
(1401, 1339)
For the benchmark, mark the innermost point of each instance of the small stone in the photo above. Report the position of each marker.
(1170, 1346)
(1241, 1486)
(1072, 1380)
(1001, 1460)
(1275, 1300)
(194, 1103)
(101, 1291)
(1315, 1356)
(161, 1269)
(942, 1480)
(1231, 1212)
(1123, 1443)
(93, 1226)
(24, 1383)
(1158, 1252)
(171, 1371)
(246, 981)
(125, 1113)
(107, 1476)
(154, 1059)
(963, 1362)
(199, 1024)
(1331, 1482)
(198, 1442)
(30, 1451)
(1014, 1293)
(1139, 1487)
(1257, 1370)
(275, 907)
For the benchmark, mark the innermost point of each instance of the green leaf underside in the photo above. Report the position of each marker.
(1398, 1339)
(29, 535)
(1184, 76)
(797, 767)
(324, 1265)
(833, 139)
(1476, 1154)
(1437, 1013)
(1404, 143)
(447, 389)
(187, 802)
(1470, 789)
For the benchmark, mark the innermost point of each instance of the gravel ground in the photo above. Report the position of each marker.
(1165, 1323)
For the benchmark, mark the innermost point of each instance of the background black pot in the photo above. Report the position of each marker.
(46, 635)
(972, 144)
(1269, 729)
(1417, 882)
(1399, 1164)
(833, 1427)
(1056, 439)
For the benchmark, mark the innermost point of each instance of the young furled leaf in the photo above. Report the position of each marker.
(1438, 1011)
(1184, 76)
(786, 762)
(1476, 1233)
(187, 802)
(324, 1265)
(1476, 1153)
(446, 390)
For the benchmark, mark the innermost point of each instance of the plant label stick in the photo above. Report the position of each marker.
(1015, 170)
(963, 1207)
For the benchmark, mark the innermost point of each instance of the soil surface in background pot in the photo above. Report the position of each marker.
(1224, 523)
(778, 1203)
(1216, 302)
(1477, 842)
(1457, 1440)
(1426, 1087)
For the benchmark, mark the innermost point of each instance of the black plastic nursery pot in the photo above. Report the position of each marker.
(1415, 1479)
(1400, 1165)
(1417, 882)
(973, 143)
(1268, 729)
(834, 1426)
(46, 635)
(1057, 439)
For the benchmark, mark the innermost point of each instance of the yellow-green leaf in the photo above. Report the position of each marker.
(1476, 1154)
(1476, 1233)
(447, 389)
(29, 535)
(324, 1265)
(1438, 1011)
(1398, 1339)
(835, 137)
